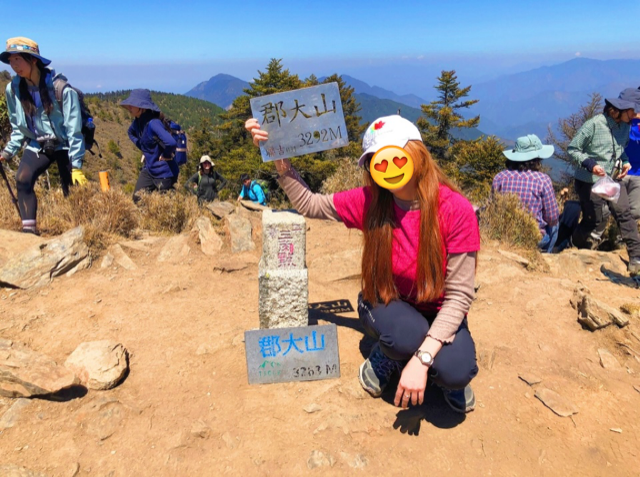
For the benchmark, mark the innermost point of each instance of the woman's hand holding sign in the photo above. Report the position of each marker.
(259, 135)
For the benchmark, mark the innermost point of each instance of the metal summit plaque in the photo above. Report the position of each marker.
(301, 121)
(302, 353)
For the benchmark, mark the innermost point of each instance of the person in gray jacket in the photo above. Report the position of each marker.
(597, 150)
(206, 182)
(51, 131)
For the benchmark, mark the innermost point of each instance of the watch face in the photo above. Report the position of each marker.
(426, 358)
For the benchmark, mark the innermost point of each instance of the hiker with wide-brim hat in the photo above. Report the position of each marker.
(206, 182)
(148, 132)
(51, 131)
(524, 178)
(598, 150)
(421, 238)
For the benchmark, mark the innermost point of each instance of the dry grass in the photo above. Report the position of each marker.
(106, 216)
(505, 220)
(347, 176)
(169, 213)
(632, 309)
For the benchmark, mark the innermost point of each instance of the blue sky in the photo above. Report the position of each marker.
(172, 45)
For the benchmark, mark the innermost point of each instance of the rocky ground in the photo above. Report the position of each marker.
(186, 409)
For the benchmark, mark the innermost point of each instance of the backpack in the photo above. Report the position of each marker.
(181, 139)
(88, 126)
(264, 185)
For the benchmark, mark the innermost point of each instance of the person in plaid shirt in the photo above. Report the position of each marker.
(534, 188)
(597, 149)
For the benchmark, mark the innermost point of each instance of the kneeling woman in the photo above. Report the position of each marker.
(51, 130)
(147, 131)
(418, 265)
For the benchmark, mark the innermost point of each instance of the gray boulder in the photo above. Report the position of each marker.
(240, 233)
(26, 373)
(27, 261)
(210, 241)
(99, 364)
(220, 209)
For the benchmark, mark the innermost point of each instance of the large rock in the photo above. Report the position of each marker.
(594, 314)
(27, 261)
(99, 364)
(251, 205)
(26, 373)
(240, 233)
(210, 241)
(121, 258)
(175, 250)
(220, 209)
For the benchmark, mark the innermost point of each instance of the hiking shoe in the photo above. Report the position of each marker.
(634, 266)
(376, 371)
(460, 400)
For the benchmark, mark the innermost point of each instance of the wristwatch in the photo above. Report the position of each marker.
(424, 357)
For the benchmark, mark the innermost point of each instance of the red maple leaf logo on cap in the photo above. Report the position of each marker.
(378, 125)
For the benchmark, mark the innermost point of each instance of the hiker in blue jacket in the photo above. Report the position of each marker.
(51, 131)
(251, 190)
(147, 131)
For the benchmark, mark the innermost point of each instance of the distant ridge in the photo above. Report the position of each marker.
(220, 89)
(360, 87)
(528, 102)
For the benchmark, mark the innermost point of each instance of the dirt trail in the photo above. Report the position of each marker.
(186, 408)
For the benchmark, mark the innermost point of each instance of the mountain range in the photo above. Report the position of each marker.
(374, 101)
(509, 106)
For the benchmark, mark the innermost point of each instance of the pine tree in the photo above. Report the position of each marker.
(444, 114)
(568, 127)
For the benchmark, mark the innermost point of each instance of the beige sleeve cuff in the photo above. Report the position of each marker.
(313, 206)
(458, 295)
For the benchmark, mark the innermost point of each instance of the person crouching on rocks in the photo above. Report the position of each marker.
(421, 238)
(51, 131)
(523, 178)
(147, 131)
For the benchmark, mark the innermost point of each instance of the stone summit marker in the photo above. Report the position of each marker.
(286, 348)
(282, 273)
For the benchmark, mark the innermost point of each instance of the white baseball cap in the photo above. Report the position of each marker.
(205, 159)
(388, 131)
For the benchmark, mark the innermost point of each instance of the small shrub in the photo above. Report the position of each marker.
(505, 220)
(105, 216)
(347, 176)
(169, 213)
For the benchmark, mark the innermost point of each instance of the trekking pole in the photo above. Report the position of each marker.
(13, 197)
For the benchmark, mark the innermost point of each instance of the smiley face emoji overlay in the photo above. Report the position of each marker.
(391, 167)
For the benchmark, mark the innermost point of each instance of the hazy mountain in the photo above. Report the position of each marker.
(372, 108)
(528, 102)
(360, 87)
(220, 89)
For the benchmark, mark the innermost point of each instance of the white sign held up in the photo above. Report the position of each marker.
(301, 121)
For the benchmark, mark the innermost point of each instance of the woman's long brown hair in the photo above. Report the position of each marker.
(28, 105)
(377, 268)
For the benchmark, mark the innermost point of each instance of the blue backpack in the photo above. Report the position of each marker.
(181, 140)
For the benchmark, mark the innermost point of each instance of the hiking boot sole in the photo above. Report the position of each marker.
(373, 392)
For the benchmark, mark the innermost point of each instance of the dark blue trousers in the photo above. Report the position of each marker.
(400, 329)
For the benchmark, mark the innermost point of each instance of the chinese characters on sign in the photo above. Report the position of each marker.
(301, 121)
(286, 247)
(292, 354)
